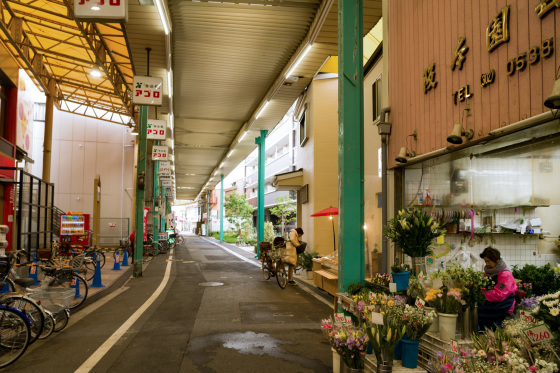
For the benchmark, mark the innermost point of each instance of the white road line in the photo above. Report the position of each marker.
(113, 339)
(257, 264)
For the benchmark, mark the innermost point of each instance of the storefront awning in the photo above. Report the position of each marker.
(292, 180)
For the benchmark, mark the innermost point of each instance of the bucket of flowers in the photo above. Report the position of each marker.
(349, 341)
(417, 321)
(448, 303)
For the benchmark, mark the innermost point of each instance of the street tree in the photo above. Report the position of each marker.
(284, 210)
(238, 210)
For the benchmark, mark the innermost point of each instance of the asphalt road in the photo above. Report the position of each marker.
(238, 322)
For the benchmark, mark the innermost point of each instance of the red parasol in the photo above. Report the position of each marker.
(329, 212)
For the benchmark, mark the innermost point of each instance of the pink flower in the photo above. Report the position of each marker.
(533, 369)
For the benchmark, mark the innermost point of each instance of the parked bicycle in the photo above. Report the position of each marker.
(15, 332)
(272, 263)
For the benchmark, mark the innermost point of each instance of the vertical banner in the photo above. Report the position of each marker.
(145, 230)
(24, 119)
(147, 91)
(100, 10)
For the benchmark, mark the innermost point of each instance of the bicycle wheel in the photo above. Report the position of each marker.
(48, 326)
(81, 287)
(14, 335)
(149, 253)
(281, 275)
(265, 268)
(179, 240)
(61, 320)
(31, 310)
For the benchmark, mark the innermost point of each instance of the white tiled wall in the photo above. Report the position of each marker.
(491, 182)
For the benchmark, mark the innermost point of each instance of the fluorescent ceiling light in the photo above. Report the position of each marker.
(243, 136)
(263, 108)
(298, 61)
(222, 165)
(95, 72)
(169, 86)
(163, 16)
(229, 154)
(95, 7)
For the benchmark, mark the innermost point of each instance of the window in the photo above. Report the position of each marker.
(303, 126)
(376, 98)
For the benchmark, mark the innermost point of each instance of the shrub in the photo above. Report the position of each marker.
(544, 279)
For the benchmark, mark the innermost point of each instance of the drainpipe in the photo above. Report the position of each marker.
(384, 129)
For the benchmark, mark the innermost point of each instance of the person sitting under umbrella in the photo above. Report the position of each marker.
(290, 257)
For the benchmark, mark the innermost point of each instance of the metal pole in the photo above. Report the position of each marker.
(261, 141)
(222, 209)
(207, 213)
(47, 142)
(351, 265)
(156, 195)
(140, 170)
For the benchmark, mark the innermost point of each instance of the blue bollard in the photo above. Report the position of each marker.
(117, 265)
(76, 286)
(96, 283)
(33, 272)
(125, 259)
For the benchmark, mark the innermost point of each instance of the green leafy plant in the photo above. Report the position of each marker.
(238, 210)
(355, 288)
(268, 231)
(544, 279)
(413, 231)
(248, 235)
(306, 261)
(285, 210)
(398, 268)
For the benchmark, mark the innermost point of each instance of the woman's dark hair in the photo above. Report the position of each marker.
(299, 230)
(491, 253)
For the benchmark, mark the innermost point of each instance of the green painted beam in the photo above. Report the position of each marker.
(351, 264)
(222, 209)
(207, 213)
(140, 170)
(261, 142)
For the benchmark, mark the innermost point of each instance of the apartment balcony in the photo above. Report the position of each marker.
(279, 164)
(270, 198)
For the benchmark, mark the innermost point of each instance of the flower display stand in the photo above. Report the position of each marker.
(431, 344)
(371, 366)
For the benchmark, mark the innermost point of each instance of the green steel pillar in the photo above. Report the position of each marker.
(222, 208)
(350, 144)
(156, 195)
(261, 142)
(140, 171)
(207, 213)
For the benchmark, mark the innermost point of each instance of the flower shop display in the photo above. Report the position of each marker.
(544, 279)
(385, 336)
(413, 231)
(417, 322)
(401, 274)
(381, 280)
(349, 342)
(548, 310)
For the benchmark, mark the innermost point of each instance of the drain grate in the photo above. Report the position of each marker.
(211, 284)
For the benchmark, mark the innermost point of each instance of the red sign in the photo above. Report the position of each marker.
(146, 211)
(420, 303)
(454, 347)
(538, 334)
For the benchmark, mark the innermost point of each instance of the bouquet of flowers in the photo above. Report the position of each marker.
(471, 283)
(398, 268)
(446, 301)
(527, 287)
(527, 304)
(385, 337)
(381, 279)
(417, 322)
(413, 231)
(548, 311)
(349, 342)
(415, 289)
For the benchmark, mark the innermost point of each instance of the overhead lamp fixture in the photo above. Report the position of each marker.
(243, 136)
(298, 61)
(553, 101)
(95, 72)
(403, 154)
(221, 164)
(134, 131)
(169, 87)
(458, 131)
(229, 154)
(263, 108)
(163, 16)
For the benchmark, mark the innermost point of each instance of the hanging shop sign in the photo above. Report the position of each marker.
(159, 153)
(101, 10)
(164, 168)
(156, 129)
(166, 183)
(147, 91)
(169, 192)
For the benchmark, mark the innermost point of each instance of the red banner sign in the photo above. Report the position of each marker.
(146, 211)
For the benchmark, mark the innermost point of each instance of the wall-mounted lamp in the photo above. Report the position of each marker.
(95, 72)
(134, 131)
(401, 158)
(458, 131)
(553, 101)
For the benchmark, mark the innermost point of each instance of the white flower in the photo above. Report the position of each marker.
(554, 311)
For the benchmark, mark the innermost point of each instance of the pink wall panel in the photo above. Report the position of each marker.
(423, 32)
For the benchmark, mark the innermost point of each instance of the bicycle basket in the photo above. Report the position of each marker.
(279, 242)
(54, 299)
(123, 243)
(4, 265)
(172, 235)
(265, 246)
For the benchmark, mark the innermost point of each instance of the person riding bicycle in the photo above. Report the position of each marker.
(291, 252)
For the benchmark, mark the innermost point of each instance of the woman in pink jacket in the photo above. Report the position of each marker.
(500, 301)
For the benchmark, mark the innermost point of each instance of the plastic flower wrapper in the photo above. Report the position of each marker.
(350, 342)
(415, 289)
(548, 310)
(417, 322)
(385, 337)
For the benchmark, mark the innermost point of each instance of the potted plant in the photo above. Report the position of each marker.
(401, 273)
(306, 262)
(448, 303)
(413, 231)
(417, 322)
